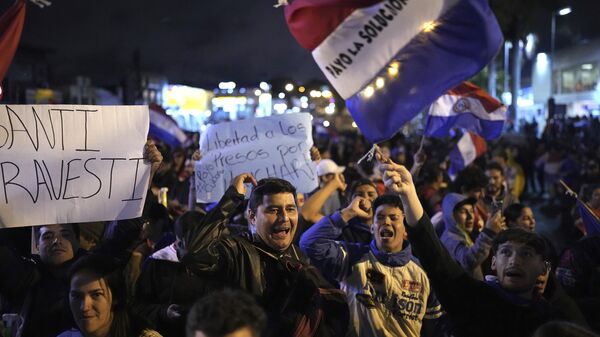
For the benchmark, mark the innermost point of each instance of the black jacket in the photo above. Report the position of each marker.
(475, 308)
(293, 293)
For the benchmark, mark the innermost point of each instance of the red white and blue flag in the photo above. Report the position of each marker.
(590, 220)
(468, 107)
(11, 27)
(469, 147)
(390, 59)
(164, 128)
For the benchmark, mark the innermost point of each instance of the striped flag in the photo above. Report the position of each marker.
(164, 128)
(591, 222)
(11, 26)
(390, 59)
(469, 147)
(469, 107)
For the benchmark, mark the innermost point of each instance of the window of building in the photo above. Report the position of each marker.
(580, 78)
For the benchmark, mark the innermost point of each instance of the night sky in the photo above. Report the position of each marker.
(200, 42)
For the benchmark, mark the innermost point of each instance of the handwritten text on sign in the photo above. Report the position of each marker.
(275, 146)
(71, 163)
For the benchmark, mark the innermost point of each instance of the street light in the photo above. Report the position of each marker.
(560, 12)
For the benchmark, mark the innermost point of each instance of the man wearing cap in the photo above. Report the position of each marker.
(459, 219)
(327, 169)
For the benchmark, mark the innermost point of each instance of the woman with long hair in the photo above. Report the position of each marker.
(99, 302)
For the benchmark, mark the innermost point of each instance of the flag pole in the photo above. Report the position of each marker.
(583, 203)
(422, 142)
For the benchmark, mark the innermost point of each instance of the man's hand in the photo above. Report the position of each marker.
(396, 178)
(315, 155)
(420, 157)
(359, 207)
(174, 311)
(496, 223)
(152, 156)
(240, 181)
(340, 182)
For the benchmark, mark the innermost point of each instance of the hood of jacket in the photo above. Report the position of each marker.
(450, 203)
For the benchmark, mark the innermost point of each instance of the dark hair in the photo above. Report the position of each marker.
(470, 178)
(186, 221)
(513, 212)
(269, 186)
(494, 166)
(157, 217)
(387, 199)
(107, 268)
(223, 312)
(562, 329)
(37, 230)
(525, 237)
(361, 182)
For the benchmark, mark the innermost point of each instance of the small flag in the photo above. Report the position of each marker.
(390, 59)
(164, 128)
(469, 107)
(591, 222)
(11, 26)
(469, 147)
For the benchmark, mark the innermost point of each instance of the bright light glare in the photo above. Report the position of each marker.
(393, 68)
(354, 125)
(289, 87)
(564, 11)
(326, 93)
(257, 92)
(429, 26)
(302, 89)
(542, 60)
(326, 124)
(369, 91)
(330, 109)
(379, 82)
(281, 95)
(264, 86)
(587, 66)
(227, 86)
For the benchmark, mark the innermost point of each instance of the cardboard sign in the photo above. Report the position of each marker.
(275, 146)
(71, 163)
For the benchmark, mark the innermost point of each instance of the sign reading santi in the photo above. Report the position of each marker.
(275, 146)
(71, 163)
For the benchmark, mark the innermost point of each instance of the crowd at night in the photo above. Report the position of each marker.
(399, 198)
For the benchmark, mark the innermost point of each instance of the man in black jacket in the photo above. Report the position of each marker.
(296, 298)
(475, 308)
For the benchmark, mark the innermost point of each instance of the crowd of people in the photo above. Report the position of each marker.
(388, 247)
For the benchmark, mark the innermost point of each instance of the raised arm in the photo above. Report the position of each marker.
(427, 247)
(192, 194)
(153, 156)
(472, 257)
(319, 242)
(212, 225)
(311, 210)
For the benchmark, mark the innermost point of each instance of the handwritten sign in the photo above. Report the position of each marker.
(275, 146)
(71, 163)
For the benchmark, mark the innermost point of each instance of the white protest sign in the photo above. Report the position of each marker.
(276, 146)
(71, 163)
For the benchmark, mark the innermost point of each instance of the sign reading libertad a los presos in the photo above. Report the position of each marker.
(71, 163)
(276, 146)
